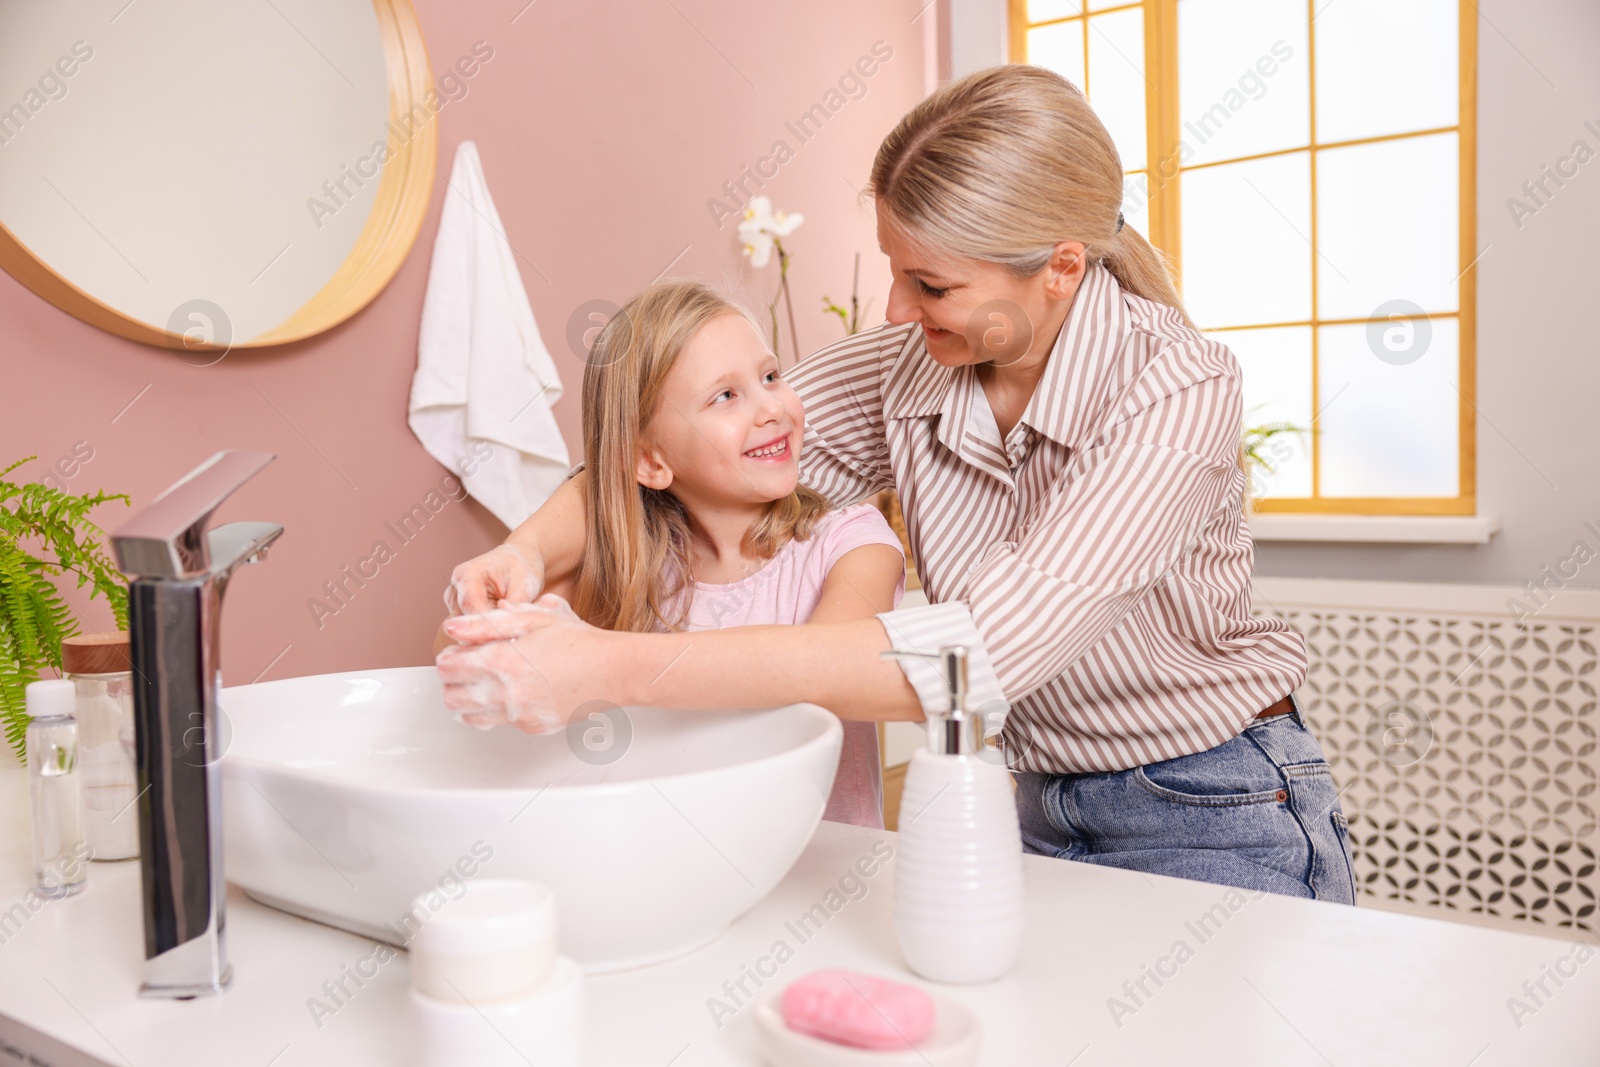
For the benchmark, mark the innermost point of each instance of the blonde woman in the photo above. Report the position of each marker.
(1065, 447)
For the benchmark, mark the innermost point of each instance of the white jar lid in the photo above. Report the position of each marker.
(496, 942)
(494, 914)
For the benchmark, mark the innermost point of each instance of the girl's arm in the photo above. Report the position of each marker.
(861, 583)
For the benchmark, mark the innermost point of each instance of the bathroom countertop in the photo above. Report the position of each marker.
(1117, 968)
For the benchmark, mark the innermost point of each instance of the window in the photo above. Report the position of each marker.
(1308, 166)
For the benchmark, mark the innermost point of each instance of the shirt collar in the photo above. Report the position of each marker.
(1066, 403)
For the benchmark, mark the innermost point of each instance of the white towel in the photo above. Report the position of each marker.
(481, 397)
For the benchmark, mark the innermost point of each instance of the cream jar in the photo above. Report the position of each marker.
(487, 983)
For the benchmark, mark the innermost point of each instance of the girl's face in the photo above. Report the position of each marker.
(973, 311)
(727, 432)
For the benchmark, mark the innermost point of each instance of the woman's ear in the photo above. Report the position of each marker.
(652, 470)
(1064, 272)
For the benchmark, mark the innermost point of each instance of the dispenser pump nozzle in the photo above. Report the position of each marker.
(957, 732)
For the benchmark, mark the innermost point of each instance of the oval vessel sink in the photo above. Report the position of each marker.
(345, 796)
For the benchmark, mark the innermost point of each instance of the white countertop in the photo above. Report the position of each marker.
(1273, 981)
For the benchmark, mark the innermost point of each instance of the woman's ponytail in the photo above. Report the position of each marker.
(1141, 268)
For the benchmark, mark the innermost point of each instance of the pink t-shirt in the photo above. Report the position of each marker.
(786, 591)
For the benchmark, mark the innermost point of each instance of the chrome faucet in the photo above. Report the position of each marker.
(178, 571)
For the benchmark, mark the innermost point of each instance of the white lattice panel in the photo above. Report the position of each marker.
(1463, 740)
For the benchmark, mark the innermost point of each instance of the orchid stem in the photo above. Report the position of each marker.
(794, 338)
(855, 303)
(788, 303)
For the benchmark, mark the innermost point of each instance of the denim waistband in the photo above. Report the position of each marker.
(1286, 738)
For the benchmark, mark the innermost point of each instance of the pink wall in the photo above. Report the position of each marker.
(604, 127)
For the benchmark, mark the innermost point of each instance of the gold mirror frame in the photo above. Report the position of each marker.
(398, 208)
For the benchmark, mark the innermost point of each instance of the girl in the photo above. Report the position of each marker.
(692, 445)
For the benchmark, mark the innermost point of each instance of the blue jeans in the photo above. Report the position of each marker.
(1258, 812)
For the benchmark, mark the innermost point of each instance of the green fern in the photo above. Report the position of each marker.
(1255, 439)
(34, 616)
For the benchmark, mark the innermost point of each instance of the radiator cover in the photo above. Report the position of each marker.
(1460, 723)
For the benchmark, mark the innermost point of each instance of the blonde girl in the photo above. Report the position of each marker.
(692, 442)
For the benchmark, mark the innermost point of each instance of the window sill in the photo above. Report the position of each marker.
(1390, 529)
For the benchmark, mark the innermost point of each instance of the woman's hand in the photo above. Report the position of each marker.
(530, 665)
(506, 573)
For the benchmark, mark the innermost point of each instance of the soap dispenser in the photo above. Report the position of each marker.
(958, 905)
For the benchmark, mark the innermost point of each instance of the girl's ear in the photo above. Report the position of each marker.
(652, 471)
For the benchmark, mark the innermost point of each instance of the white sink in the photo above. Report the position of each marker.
(347, 795)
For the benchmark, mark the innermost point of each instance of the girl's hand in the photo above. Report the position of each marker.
(505, 573)
(529, 665)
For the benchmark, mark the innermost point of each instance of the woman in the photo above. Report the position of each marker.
(1065, 446)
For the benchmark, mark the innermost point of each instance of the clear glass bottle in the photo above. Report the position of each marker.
(59, 849)
(101, 671)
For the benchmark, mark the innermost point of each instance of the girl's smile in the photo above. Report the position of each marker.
(777, 450)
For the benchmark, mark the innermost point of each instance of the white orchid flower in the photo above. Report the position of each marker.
(761, 225)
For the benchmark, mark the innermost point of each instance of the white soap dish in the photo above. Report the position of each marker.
(953, 1042)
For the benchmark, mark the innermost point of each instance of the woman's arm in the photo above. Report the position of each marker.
(541, 664)
(555, 533)
(542, 551)
(540, 555)
(844, 455)
(536, 666)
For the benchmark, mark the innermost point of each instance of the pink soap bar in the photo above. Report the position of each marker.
(856, 1009)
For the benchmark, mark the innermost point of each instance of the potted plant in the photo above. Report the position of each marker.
(34, 616)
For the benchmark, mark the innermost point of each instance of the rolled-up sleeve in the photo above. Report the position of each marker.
(929, 628)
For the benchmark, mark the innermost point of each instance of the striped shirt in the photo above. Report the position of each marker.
(1096, 560)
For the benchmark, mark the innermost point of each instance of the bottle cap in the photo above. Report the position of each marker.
(96, 654)
(495, 942)
(51, 698)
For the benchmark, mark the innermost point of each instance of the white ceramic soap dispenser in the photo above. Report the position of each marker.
(958, 871)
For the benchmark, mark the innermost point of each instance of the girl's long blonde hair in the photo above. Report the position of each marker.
(1003, 164)
(636, 551)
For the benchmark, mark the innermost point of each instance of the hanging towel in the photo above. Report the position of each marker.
(481, 397)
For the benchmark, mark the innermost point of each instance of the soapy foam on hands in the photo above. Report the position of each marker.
(489, 694)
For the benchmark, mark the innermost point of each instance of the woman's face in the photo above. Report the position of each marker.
(727, 431)
(973, 311)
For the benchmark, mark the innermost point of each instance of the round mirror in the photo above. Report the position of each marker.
(204, 176)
